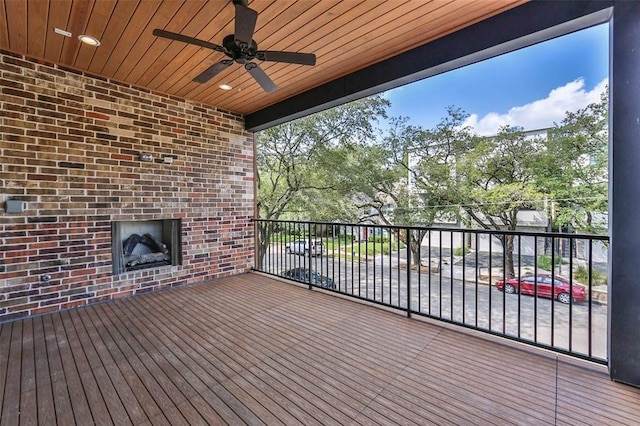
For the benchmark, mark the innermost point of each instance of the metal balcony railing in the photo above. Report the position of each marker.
(550, 292)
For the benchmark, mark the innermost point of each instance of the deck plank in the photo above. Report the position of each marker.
(11, 401)
(60, 391)
(79, 403)
(101, 380)
(96, 399)
(45, 405)
(253, 350)
(132, 408)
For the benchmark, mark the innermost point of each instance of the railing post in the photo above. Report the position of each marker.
(308, 244)
(408, 273)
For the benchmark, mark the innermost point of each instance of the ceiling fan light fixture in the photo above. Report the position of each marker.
(87, 39)
(225, 87)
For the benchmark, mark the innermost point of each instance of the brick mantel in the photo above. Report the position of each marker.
(70, 149)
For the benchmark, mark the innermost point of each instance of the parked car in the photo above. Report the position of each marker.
(544, 283)
(302, 274)
(313, 247)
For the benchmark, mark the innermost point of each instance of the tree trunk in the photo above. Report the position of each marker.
(417, 235)
(507, 246)
(265, 230)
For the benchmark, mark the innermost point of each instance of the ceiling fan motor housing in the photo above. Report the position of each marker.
(239, 52)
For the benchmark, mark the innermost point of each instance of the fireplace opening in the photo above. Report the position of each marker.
(145, 244)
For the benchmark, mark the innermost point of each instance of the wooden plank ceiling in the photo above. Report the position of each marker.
(345, 36)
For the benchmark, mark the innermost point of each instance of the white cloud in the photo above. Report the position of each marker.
(541, 113)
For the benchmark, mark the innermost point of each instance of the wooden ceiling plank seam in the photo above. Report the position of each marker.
(38, 19)
(118, 21)
(4, 25)
(353, 30)
(318, 23)
(17, 28)
(130, 34)
(248, 83)
(157, 49)
(300, 13)
(385, 45)
(59, 13)
(183, 64)
(80, 12)
(146, 38)
(342, 24)
(96, 27)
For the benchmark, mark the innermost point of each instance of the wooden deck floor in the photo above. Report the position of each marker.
(250, 349)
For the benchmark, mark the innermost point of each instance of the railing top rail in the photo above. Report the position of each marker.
(448, 229)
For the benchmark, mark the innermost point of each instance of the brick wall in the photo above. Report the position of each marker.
(69, 148)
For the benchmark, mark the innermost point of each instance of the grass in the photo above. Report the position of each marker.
(371, 248)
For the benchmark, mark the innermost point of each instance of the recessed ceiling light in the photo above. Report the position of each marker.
(225, 87)
(91, 41)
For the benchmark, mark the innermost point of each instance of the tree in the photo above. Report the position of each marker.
(413, 170)
(574, 170)
(498, 180)
(295, 160)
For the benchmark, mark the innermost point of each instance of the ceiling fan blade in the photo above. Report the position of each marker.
(212, 71)
(185, 39)
(259, 75)
(288, 57)
(245, 24)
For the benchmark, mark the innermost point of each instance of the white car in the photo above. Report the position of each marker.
(313, 247)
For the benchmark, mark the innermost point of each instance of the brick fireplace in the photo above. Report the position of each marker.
(79, 153)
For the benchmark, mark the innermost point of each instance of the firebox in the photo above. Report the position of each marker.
(145, 244)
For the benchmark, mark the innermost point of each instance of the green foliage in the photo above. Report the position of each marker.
(375, 248)
(335, 165)
(544, 262)
(461, 250)
(301, 171)
(338, 241)
(581, 274)
(574, 169)
(378, 239)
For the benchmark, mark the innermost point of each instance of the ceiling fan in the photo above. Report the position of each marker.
(241, 48)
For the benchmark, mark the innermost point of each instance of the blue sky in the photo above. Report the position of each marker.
(531, 87)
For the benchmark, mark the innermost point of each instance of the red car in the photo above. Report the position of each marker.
(528, 283)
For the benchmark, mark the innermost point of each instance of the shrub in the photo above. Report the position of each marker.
(461, 250)
(378, 239)
(581, 274)
(544, 262)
